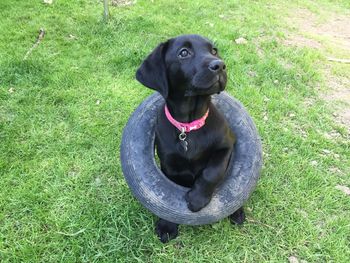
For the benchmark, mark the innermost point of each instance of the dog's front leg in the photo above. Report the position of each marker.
(200, 194)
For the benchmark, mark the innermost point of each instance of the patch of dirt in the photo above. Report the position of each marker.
(339, 91)
(345, 117)
(301, 41)
(335, 31)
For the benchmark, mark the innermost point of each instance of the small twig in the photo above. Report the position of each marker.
(39, 38)
(105, 12)
(259, 223)
(340, 60)
(73, 234)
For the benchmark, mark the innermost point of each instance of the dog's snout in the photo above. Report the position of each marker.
(216, 65)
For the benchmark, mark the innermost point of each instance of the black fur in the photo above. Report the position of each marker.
(187, 70)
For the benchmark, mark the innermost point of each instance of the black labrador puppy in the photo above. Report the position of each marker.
(193, 140)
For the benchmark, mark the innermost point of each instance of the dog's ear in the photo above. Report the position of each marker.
(152, 72)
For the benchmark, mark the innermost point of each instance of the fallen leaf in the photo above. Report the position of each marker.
(123, 2)
(241, 41)
(72, 37)
(71, 234)
(313, 163)
(252, 73)
(332, 135)
(293, 259)
(98, 181)
(335, 170)
(266, 154)
(303, 213)
(309, 102)
(325, 151)
(265, 117)
(303, 133)
(344, 189)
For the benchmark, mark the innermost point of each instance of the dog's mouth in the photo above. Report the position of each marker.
(212, 86)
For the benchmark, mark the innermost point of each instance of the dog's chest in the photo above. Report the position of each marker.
(191, 153)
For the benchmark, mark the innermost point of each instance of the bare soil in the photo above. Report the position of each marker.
(317, 33)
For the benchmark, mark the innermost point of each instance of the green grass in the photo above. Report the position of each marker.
(63, 196)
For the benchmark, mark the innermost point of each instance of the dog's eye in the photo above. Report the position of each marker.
(214, 51)
(183, 53)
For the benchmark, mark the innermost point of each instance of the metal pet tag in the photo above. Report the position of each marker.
(182, 138)
(184, 145)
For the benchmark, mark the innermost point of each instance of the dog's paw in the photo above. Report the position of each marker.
(196, 201)
(166, 230)
(238, 217)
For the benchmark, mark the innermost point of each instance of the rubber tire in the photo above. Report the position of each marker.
(167, 199)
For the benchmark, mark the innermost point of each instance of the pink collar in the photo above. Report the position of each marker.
(186, 127)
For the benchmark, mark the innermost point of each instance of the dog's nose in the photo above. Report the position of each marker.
(216, 65)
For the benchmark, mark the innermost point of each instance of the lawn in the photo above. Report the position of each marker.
(62, 111)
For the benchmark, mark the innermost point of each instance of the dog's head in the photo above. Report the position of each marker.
(188, 65)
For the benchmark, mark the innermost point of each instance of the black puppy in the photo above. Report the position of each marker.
(186, 70)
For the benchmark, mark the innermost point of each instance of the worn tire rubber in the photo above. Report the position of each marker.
(167, 199)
